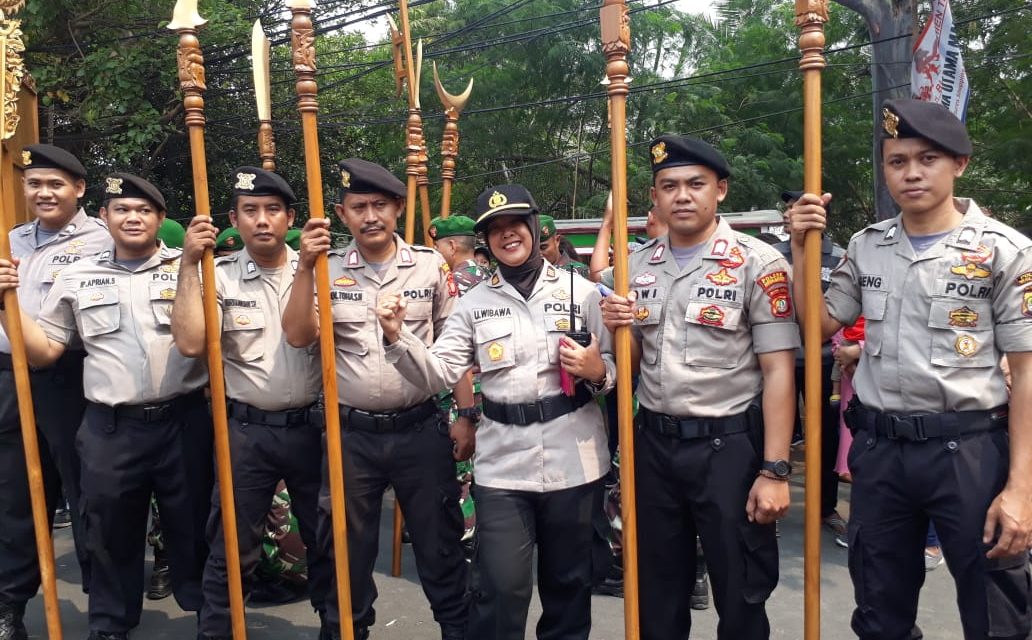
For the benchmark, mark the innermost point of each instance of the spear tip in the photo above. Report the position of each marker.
(185, 16)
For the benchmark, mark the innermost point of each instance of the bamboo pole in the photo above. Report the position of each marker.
(453, 106)
(185, 22)
(12, 70)
(810, 18)
(616, 44)
(303, 55)
(260, 50)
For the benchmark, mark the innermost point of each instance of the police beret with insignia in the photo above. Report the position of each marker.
(229, 240)
(252, 181)
(47, 156)
(503, 200)
(124, 185)
(909, 118)
(547, 226)
(362, 176)
(680, 151)
(450, 227)
(171, 233)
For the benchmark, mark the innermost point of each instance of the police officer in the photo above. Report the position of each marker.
(61, 234)
(831, 255)
(540, 453)
(944, 291)
(394, 432)
(455, 239)
(714, 332)
(146, 427)
(273, 436)
(552, 251)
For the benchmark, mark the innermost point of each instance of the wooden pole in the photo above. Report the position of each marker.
(260, 50)
(453, 106)
(303, 55)
(185, 22)
(413, 135)
(616, 44)
(12, 70)
(810, 18)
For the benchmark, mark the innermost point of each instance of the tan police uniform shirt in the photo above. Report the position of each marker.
(516, 344)
(261, 369)
(41, 264)
(365, 380)
(936, 324)
(124, 319)
(702, 327)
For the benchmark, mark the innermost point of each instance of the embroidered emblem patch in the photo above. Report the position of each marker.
(963, 317)
(495, 351)
(712, 315)
(721, 278)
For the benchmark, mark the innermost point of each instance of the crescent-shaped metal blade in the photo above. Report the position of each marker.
(456, 103)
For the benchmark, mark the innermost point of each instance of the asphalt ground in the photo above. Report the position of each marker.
(403, 612)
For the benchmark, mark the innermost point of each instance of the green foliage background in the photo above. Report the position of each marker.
(106, 74)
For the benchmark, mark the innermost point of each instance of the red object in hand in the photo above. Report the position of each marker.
(854, 333)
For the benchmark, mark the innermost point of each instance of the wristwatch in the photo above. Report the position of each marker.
(473, 413)
(776, 469)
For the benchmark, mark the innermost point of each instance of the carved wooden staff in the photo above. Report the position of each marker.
(12, 70)
(260, 49)
(453, 106)
(616, 43)
(810, 18)
(303, 56)
(185, 21)
(415, 146)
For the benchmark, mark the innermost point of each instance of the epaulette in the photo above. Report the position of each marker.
(645, 245)
(764, 251)
(422, 249)
(1015, 237)
(232, 257)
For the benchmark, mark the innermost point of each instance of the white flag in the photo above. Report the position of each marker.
(937, 73)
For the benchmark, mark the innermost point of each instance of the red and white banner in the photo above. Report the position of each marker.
(937, 73)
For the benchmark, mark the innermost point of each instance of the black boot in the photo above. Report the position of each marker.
(160, 580)
(11, 627)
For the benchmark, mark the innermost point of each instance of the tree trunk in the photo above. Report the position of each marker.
(886, 20)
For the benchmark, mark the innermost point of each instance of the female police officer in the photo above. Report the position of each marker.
(540, 453)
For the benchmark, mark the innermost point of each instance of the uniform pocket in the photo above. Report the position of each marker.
(243, 331)
(710, 335)
(162, 295)
(555, 327)
(495, 349)
(99, 310)
(874, 305)
(961, 333)
(760, 555)
(348, 323)
(419, 320)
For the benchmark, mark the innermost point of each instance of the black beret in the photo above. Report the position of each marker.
(679, 151)
(362, 176)
(252, 181)
(791, 195)
(503, 200)
(909, 118)
(47, 156)
(123, 185)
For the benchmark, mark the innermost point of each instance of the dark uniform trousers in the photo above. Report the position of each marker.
(416, 459)
(509, 525)
(127, 456)
(699, 486)
(898, 485)
(59, 404)
(262, 455)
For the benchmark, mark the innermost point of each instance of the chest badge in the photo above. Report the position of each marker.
(562, 324)
(1026, 303)
(971, 271)
(243, 319)
(721, 278)
(97, 297)
(963, 317)
(495, 351)
(344, 281)
(966, 345)
(734, 259)
(645, 279)
(978, 256)
(712, 316)
(560, 294)
(75, 247)
(642, 314)
(168, 294)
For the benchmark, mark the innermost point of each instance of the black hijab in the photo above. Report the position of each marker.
(523, 277)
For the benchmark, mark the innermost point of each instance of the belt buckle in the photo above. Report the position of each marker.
(907, 428)
(384, 421)
(153, 412)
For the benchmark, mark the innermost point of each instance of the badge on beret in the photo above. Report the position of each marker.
(433, 232)
(26, 157)
(245, 181)
(890, 122)
(497, 200)
(659, 153)
(966, 345)
(114, 185)
(345, 179)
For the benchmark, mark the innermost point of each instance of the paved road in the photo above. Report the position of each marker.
(404, 614)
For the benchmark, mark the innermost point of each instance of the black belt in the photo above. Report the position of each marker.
(386, 422)
(543, 410)
(154, 412)
(287, 418)
(918, 428)
(694, 428)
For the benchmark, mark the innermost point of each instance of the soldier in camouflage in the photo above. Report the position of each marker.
(551, 250)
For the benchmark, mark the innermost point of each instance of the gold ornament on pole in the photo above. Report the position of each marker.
(453, 106)
(811, 15)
